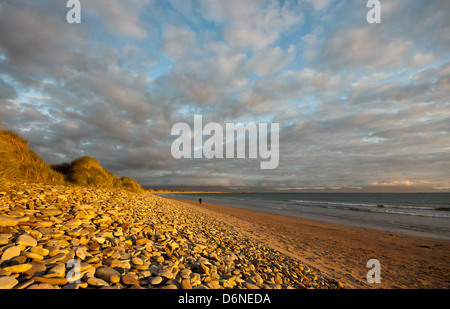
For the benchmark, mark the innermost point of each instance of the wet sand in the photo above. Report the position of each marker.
(342, 252)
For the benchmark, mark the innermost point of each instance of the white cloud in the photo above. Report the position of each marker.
(206, 82)
(319, 4)
(37, 42)
(178, 42)
(122, 17)
(271, 60)
(365, 48)
(421, 60)
(255, 24)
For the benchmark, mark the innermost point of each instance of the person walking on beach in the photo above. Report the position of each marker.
(200, 201)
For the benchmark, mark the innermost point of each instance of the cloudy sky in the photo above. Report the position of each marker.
(358, 104)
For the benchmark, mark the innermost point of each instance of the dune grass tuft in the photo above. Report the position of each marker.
(87, 171)
(19, 163)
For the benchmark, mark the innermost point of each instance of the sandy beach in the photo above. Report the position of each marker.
(342, 252)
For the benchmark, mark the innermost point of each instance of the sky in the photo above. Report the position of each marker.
(358, 104)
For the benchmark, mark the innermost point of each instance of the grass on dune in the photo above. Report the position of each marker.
(19, 163)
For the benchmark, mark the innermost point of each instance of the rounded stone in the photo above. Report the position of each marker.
(41, 286)
(21, 268)
(129, 280)
(40, 251)
(108, 274)
(166, 273)
(186, 284)
(26, 240)
(155, 280)
(185, 273)
(33, 256)
(4, 238)
(169, 287)
(250, 286)
(37, 269)
(113, 263)
(137, 261)
(158, 259)
(52, 281)
(57, 271)
(50, 212)
(8, 221)
(10, 253)
(141, 241)
(8, 282)
(97, 282)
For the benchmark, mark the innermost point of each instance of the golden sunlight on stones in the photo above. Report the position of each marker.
(72, 237)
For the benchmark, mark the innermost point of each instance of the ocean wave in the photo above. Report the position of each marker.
(419, 214)
(334, 203)
(410, 210)
(362, 205)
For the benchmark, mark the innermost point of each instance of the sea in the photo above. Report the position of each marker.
(417, 214)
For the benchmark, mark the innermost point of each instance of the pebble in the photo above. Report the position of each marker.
(108, 274)
(41, 286)
(59, 257)
(20, 268)
(52, 250)
(259, 281)
(8, 282)
(10, 253)
(166, 273)
(4, 238)
(141, 241)
(250, 286)
(169, 287)
(26, 240)
(33, 256)
(57, 271)
(50, 212)
(158, 259)
(37, 269)
(24, 284)
(100, 240)
(51, 281)
(97, 282)
(8, 221)
(137, 261)
(130, 240)
(81, 253)
(129, 280)
(186, 284)
(155, 280)
(185, 273)
(114, 263)
(39, 250)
